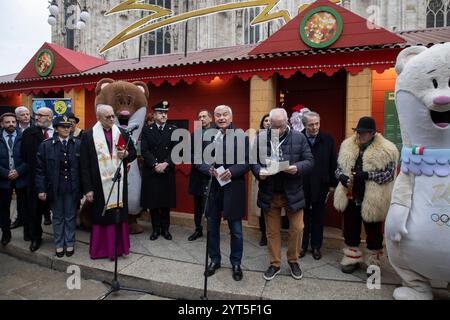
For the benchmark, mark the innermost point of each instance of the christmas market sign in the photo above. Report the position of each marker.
(44, 63)
(160, 17)
(321, 27)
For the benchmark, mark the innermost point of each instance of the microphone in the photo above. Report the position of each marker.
(218, 135)
(131, 128)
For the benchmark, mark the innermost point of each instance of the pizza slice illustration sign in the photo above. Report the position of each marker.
(321, 27)
(44, 62)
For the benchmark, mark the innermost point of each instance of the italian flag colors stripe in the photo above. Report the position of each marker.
(418, 150)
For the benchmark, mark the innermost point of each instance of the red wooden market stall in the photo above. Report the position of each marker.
(344, 73)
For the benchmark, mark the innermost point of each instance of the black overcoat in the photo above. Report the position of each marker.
(91, 179)
(321, 178)
(158, 189)
(31, 140)
(234, 193)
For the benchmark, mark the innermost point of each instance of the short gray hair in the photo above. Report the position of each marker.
(278, 111)
(101, 108)
(223, 106)
(20, 109)
(48, 110)
(309, 114)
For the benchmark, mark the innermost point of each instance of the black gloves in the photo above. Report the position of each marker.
(344, 180)
(361, 176)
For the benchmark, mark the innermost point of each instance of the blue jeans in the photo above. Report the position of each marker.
(64, 220)
(235, 226)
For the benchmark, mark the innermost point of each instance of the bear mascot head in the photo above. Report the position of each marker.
(418, 223)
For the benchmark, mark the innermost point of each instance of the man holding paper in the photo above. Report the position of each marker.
(283, 158)
(228, 193)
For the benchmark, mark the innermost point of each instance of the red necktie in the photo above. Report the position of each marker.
(45, 133)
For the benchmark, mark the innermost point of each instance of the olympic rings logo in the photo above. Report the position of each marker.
(441, 220)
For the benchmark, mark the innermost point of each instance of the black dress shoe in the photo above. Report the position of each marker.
(263, 241)
(166, 235)
(317, 254)
(212, 268)
(16, 224)
(70, 253)
(237, 273)
(47, 221)
(6, 238)
(197, 234)
(302, 253)
(35, 245)
(154, 235)
(59, 254)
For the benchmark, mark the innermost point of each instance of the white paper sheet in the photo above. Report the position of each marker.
(221, 170)
(274, 167)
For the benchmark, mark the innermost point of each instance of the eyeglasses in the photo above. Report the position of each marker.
(110, 116)
(42, 115)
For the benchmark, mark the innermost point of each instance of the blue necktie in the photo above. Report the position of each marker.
(10, 141)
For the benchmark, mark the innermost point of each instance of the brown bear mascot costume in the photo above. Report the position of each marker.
(129, 101)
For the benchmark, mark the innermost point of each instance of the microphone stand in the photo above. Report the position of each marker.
(115, 285)
(206, 205)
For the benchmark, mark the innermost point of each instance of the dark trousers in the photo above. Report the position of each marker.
(235, 226)
(352, 229)
(198, 211)
(160, 219)
(314, 220)
(5, 205)
(262, 223)
(64, 220)
(33, 216)
(21, 198)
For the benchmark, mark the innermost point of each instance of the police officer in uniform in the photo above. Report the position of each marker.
(58, 181)
(158, 177)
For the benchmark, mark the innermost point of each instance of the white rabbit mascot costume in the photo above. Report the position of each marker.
(418, 223)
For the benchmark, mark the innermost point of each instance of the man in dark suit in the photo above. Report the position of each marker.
(32, 138)
(198, 180)
(229, 198)
(318, 183)
(24, 121)
(158, 191)
(12, 173)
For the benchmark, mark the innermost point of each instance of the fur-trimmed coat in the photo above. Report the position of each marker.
(377, 156)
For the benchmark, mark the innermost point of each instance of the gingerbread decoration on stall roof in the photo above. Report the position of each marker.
(129, 101)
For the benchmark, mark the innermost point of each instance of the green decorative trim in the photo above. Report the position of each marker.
(52, 62)
(308, 16)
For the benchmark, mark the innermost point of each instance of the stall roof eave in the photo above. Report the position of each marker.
(225, 62)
